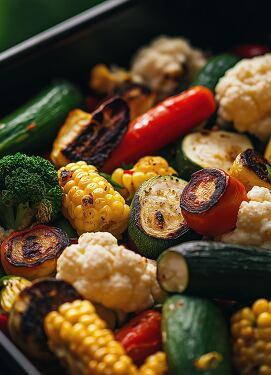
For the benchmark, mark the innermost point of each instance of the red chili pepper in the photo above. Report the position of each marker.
(250, 50)
(142, 336)
(4, 323)
(162, 124)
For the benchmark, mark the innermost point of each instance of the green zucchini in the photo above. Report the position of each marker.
(156, 221)
(34, 126)
(195, 337)
(216, 270)
(215, 68)
(209, 149)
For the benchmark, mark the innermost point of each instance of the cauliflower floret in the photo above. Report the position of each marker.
(161, 64)
(254, 220)
(104, 272)
(244, 96)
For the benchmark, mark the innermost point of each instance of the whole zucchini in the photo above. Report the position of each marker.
(195, 337)
(34, 125)
(216, 270)
(215, 68)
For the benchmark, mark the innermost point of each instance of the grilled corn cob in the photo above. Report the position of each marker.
(250, 168)
(251, 331)
(144, 169)
(154, 365)
(77, 335)
(90, 203)
(12, 286)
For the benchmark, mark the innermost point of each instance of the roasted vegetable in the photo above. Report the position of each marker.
(29, 310)
(155, 364)
(251, 332)
(91, 137)
(211, 200)
(29, 191)
(216, 270)
(11, 288)
(34, 126)
(250, 168)
(209, 149)
(79, 337)
(161, 125)
(33, 253)
(195, 337)
(144, 169)
(156, 221)
(90, 202)
(141, 336)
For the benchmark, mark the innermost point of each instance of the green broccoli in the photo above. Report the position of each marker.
(29, 191)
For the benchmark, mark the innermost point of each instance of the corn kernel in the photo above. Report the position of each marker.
(261, 305)
(264, 319)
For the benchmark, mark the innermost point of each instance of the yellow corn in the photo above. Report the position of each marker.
(251, 331)
(90, 203)
(144, 169)
(77, 335)
(12, 286)
(104, 81)
(155, 364)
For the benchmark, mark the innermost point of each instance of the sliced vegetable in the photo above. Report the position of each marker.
(209, 149)
(11, 288)
(29, 310)
(216, 270)
(250, 168)
(211, 200)
(250, 50)
(148, 166)
(141, 336)
(33, 253)
(156, 221)
(91, 137)
(250, 329)
(90, 202)
(161, 125)
(34, 125)
(215, 68)
(195, 337)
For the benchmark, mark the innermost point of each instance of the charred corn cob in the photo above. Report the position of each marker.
(144, 169)
(251, 331)
(11, 288)
(90, 203)
(250, 168)
(77, 335)
(155, 364)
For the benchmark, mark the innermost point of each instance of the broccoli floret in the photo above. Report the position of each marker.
(29, 191)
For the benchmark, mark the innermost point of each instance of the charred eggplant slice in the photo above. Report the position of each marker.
(91, 138)
(29, 310)
(34, 252)
(211, 200)
(156, 221)
(251, 169)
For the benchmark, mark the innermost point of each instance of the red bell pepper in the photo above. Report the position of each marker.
(162, 124)
(142, 336)
(250, 50)
(4, 323)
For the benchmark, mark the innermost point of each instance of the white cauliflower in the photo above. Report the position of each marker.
(244, 96)
(254, 220)
(104, 272)
(162, 64)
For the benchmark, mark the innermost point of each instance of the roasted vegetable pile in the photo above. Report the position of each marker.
(139, 241)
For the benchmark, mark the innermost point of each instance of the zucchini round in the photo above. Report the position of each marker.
(195, 337)
(34, 126)
(209, 149)
(156, 221)
(216, 270)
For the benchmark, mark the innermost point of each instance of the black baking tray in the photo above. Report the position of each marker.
(111, 33)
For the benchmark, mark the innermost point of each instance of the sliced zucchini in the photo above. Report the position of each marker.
(156, 221)
(29, 310)
(209, 149)
(251, 169)
(216, 270)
